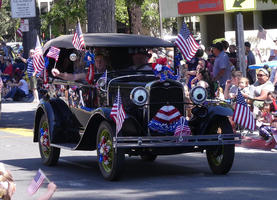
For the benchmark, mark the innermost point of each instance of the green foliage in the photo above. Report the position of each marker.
(121, 14)
(8, 25)
(151, 17)
(62, 14)
(266, 1)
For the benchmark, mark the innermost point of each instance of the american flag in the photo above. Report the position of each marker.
(54, 53)
(78, 38)
(19, 32)
(118, 113)
(36, 182)
(242, 114)
(38, 58)
(182, 129)
(186, 43)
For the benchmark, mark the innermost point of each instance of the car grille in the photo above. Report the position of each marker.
(166, 93)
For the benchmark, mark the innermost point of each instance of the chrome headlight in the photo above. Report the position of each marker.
(198, 95)
(139, 96)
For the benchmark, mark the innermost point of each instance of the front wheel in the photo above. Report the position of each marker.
(49, 155)
(110, 162)
(221, 157)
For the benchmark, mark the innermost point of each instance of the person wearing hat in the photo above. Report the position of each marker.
(140, 58)
(221, 68)
(251, 73)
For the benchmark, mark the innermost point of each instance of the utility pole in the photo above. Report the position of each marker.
(240, 43)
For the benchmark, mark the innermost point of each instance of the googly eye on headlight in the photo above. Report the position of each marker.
(139, 96)
(198, 95)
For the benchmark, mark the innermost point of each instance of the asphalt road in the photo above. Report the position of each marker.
(185, 176)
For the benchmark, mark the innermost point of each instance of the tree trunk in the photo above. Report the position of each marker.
(135, 13)
(101, 16)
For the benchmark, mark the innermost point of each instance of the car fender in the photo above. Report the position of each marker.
(88, 141)
(202, 124)
(63, 125)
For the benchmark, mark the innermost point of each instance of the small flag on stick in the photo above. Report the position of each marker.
(37, 182)
(54, 53)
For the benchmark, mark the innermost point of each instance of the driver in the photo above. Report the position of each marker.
(140, 58)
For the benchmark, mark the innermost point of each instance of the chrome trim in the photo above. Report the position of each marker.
(176, 141)
(126, 76)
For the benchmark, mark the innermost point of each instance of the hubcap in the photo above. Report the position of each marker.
(44, 139)
(105, 150)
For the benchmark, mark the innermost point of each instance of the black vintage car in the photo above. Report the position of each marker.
(76, 115)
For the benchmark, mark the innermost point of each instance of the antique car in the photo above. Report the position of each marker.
(76, 114)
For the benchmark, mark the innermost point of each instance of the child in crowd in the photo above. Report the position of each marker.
(244, 86)
(271, 97)
(264, 121)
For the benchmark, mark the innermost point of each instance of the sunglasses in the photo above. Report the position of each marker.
(260, 75)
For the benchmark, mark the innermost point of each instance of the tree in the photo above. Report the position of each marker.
(135, 14)
(62, 15)
(101, 16)
(8, 25)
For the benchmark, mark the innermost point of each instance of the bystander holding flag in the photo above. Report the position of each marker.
(186, 43)
(38, 57)
(36, 182)
(118, 113)
(54, 53)
(242, 114)
(19, 32)
(78, 38)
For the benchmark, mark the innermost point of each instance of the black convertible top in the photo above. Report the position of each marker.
(109, 40)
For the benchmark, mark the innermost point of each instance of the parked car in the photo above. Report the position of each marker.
(75, 115)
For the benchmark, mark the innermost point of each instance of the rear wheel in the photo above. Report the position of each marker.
(221, 157)
(110, 162)
(49, 155)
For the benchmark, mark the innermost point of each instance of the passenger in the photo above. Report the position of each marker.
(140, 59)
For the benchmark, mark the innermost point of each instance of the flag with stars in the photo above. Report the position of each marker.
(186, 43)
(78, 38)
(242, 114)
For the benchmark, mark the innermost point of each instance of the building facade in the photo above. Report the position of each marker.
(212, 20)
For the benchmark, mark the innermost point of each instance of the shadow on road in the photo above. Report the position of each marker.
(23, 119)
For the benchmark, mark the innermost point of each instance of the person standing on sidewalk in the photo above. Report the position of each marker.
(31, 74)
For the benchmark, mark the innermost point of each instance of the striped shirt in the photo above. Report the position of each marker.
(30, 67)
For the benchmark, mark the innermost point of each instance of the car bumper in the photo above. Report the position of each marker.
(176, 141)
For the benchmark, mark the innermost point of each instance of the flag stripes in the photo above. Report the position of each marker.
(54, 53)
(118, 113)
(36, 182)
(186, 43)
(78, 38)
(242, 114)
(38, 57)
